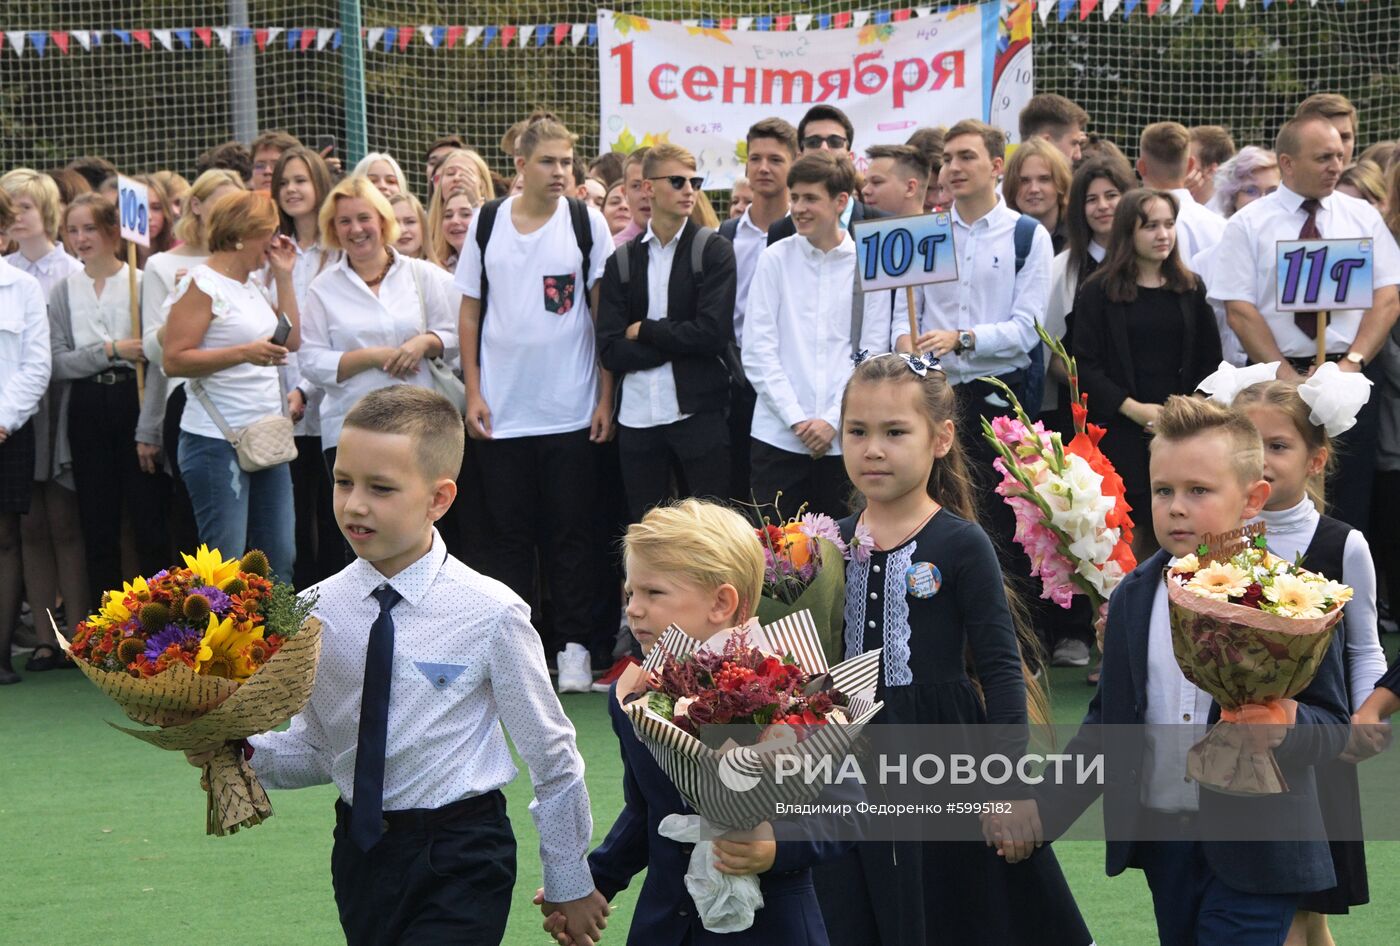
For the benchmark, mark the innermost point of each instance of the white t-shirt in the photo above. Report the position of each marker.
(243, 393)
(539, 371)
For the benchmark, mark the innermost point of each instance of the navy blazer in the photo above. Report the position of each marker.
(1263, 867)
(665, 913)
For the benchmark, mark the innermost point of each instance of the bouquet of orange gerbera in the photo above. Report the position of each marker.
(210, 653)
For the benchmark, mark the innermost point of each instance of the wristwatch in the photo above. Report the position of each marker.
(1356, 358)
(966, 342)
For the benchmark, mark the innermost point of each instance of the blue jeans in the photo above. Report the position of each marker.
(237, 511)
(1194, 907)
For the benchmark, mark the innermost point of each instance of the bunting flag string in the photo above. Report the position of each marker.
(398, 39)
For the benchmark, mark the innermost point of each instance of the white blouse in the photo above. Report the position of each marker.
(342, 315)
(25, 359)
(243, 393)
(99, 318)
(50, 269)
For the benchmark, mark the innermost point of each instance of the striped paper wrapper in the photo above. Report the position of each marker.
(736, 787)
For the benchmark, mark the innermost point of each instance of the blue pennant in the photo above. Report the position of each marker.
(186, 38)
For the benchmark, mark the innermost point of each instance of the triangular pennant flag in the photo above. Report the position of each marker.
(225, 35)
(781, 23)
(561, 30)
(391, 35)
(122, 35)
(373, 36)
(454, 34)
(427, 33)
(405, 37)
(593, 34)
(880, 17)
(473, 34)
(541, 35)
(205, 34)
(16, 38)
(84, 39)
(1153, 6)
(577, 33)
(861, 17)
(508, 34)
(744, 24)
(899, 16)
(690, 24)
(165, 38)
(143, 37)
(1268, 3)
(923, 11)
(1045, 7)
(1065, 7)
(261, 37)
(293, 39)
(60, 39)
(841, 20)
(489, 36)
(275, 32)
(764, 24)
(186, 38)
(726, 23)
(803, 21)
(1128, 7)
(40, 40)
(1220, 5)
(309, 35)
(1110, 7)
(439, 36)
(336, 39)
(324, 36)
(1086, 7)
(1176, 5)
(242, 36)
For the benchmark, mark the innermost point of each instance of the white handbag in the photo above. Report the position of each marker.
(444, 379)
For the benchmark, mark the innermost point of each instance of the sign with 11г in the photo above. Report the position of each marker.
(134, 209)
(1324, 275)
(905, 251)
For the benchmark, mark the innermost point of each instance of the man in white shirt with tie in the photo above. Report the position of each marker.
(805, 321)
(1311, 155)
(1164, 164)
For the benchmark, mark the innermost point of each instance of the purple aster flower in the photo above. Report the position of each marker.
(816, 525)
(862, 542)
(158, 643)
(159, 575)
(219, 602)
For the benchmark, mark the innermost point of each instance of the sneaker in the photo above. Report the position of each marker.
(1070, 653)
(604, 683)
(575, 669)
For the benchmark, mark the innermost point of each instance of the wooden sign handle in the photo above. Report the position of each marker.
(135, 318)
(913, 321)
(1321, 338)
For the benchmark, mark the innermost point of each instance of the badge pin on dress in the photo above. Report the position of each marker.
(923, 579)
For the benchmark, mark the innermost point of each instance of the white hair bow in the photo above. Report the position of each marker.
(1335, 396)
(1227, 381)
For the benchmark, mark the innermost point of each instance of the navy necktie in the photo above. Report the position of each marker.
(1307, 321)
(367, 813)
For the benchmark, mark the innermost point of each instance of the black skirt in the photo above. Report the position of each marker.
(17, 470)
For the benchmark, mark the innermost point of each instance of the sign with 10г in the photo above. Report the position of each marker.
(134, 209)
(1324, 275)
(905, 251)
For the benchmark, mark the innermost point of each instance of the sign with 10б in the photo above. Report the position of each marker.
(134, 210)
(904, 251)
(1324, 275)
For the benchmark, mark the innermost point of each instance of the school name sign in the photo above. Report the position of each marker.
(703, 87)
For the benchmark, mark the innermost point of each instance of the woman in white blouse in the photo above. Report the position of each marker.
(55, 567)
(96, 349)
(374, 317)
(24, 376)
(219, 332)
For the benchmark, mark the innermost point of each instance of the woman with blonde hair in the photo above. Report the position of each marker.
(449, 217)
(162, 220)
(465, 167)
(413, 226)
(383, 172)
(1365, 180)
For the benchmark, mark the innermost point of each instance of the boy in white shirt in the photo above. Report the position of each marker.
(537, 402)
(805, 321)
(1166, 164)
(422, 662)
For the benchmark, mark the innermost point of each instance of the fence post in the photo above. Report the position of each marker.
(353, 80)
(242, 76)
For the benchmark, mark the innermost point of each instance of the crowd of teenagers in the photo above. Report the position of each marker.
(542, 416)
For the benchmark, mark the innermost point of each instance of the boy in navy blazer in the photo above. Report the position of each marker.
(698, 565)
(1206, 477)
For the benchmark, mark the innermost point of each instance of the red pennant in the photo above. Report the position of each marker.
(841, 20)
(143, 37)
(1220, 5)
(405, 37)
(899, 16)
(781, 23)
(1153, 6)
(308, 36)
(727, 23)
(454, 33)
(260, 37)
(1086, 7)
(205, 34)
(60, 39)
(508, 35)
(560, 31)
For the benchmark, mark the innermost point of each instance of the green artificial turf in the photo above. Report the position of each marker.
(101, 841)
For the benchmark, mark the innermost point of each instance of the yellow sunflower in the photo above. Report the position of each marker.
(210, 567)
(113, 611)
(225, 649)
(1220, 580)
(1294, 597)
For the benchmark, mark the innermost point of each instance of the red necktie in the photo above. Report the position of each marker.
(1307, 321)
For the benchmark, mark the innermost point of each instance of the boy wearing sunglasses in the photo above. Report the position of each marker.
(665, 319)
(826, 128)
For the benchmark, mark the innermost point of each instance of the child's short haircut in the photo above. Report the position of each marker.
(1049, 113)
(663, 152)
(426, 416)
(540, 130)
(836, 174)
(704, 543)
(908, 160)
(1185, 417)
(42, 192)
(1214, 144)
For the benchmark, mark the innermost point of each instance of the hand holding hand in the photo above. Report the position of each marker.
(1015, 835)
(746, 852)
(583, 919)
(403, 361)
(129, 349)
(1369, 736)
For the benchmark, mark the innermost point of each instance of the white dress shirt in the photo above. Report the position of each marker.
(1064, 286)
(1247, 265)
(99, 319)
(797, 353)
(1197, 229)
(1231, 348)
(50, 269)
(1176, 718)
(25, 359)
(466, 660)
(311, 262)
(1289, 532)
(649, 397)
(989, 298)
(749, 243)
(342, 315)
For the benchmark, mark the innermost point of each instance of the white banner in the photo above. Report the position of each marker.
(703, 88)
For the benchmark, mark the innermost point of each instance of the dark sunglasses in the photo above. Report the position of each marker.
(678, 181)
(813, 142)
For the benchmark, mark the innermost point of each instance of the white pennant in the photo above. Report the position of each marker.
(803, 20)
(165, 38)
(17, 41)
(225, 35)
(427, 32)
(84, 39)
(526, 36)
(860, 18)
(373, 36)
(473, 34)
(577, 32)
(273, 33)
(323, 38)
(1176, 5)
(1110, 7)
(690, 23)
(745, 23)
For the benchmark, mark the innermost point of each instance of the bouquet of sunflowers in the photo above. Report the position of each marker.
(210, 653)
(1250, 629)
